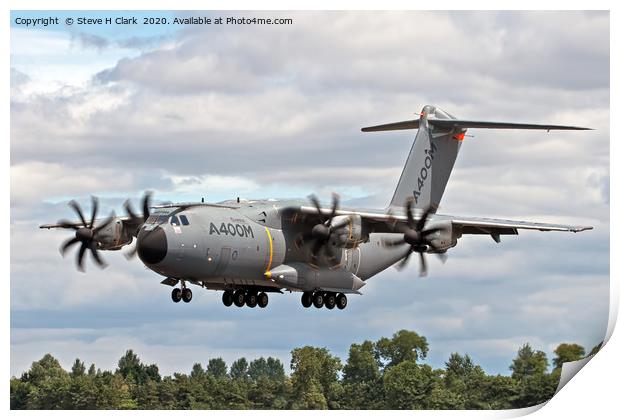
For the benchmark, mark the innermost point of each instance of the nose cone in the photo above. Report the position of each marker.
(152, 245)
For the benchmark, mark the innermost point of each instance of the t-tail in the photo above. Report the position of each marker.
(434, 151)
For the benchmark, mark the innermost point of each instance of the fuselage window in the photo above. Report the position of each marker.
(184, 220)
(174, 221)
(162, 220)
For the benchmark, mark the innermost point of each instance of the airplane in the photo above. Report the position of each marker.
(249, 248)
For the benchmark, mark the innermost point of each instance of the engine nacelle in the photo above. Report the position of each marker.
(114, 236)
(350, 235)
(442, 239)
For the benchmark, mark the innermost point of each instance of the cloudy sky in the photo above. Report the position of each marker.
(275, 111)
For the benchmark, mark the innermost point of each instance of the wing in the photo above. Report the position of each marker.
(384, 221)
(128, 224)
(478, 225)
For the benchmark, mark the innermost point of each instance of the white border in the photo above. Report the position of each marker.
(593, 393)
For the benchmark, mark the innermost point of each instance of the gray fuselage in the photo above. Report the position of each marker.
(239, 244)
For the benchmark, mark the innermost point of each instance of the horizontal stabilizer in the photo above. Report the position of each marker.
(402, 125)
(504, 125)
(453, 123)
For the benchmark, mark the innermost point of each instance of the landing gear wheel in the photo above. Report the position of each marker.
(176, 295)
(341, 301)
(251, 300)
(306, 299)
(330, 300)
(263, 299)
(318, 300)
(239, 298)
(186, 295)
(227, 298)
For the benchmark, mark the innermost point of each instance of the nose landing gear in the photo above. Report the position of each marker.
(183, 294)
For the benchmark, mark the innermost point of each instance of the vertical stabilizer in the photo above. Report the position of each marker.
(429, 163)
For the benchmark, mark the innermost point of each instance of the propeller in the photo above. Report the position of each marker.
(85, 234)
(136, 220)
(416, 236)
(321, 231)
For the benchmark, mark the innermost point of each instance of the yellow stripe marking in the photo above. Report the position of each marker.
(270, 252)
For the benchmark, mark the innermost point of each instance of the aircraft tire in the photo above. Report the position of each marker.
(251, 300)
(227, 298)
(263, 300)
(239, 298)
(176, 295)
(306, 299)
(318, 300)
(341, 301)
(330, 300)
(186, 295)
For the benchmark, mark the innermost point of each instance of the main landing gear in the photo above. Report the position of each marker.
(328, 299)
(249, 298)
(183, 294)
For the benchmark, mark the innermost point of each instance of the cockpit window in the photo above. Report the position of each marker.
(184, 220)
(174, 221)
(162, 220)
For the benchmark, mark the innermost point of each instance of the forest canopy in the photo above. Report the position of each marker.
(389, 373)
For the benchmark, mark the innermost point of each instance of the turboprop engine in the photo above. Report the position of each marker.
(349, 233)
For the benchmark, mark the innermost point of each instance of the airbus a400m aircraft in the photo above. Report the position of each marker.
(248, 248)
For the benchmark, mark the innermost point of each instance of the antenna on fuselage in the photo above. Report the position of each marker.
(202, 200)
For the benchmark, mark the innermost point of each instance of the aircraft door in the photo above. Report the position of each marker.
(223, 260)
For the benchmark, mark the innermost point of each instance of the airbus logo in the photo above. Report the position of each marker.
(423, 174)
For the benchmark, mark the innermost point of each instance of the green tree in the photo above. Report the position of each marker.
(239, 369)
(409, 386)
(49, 385)
(534, 385)
(275, 369)
(131, 368)
(362, 386)
(270, 368)
(362, 366)
(567, 353)
(198, 371)
(19, 394)
(529, 363)
(465, 382)
(500, 392)
(217, 368)
(404, 345)
(91, 370)
(314, 378)
(78, 368)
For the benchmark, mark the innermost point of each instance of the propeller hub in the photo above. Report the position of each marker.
(321, 231)
(84, 234)
(413, 237)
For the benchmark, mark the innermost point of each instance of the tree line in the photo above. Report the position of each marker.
(386, 374)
